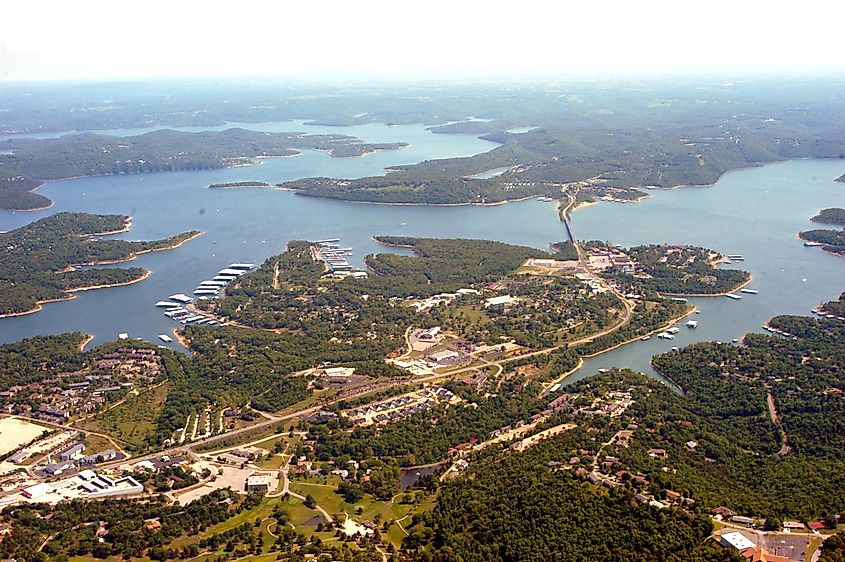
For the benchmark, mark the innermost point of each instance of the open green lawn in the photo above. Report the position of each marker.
(323, 492)
(133, 421)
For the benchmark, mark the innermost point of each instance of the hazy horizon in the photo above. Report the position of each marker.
(436, 40)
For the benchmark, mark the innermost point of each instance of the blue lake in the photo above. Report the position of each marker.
(755, 212)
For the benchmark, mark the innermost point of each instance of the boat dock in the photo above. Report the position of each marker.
(336, 258)
(732, 296)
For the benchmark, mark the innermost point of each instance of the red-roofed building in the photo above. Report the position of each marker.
(758, 554)
(817, 525)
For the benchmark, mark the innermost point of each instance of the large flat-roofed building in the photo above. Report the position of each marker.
(259, 482)
(737, 541)
(498, 302)
(443, 356)
(38, 490)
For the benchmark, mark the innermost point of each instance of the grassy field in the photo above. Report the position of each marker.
(133, 421)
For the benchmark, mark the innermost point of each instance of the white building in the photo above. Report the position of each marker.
(736, 540)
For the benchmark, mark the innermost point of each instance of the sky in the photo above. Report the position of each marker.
(100, 40)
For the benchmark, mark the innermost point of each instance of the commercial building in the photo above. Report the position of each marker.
(737, 541)
(37, 491)
(258, 482)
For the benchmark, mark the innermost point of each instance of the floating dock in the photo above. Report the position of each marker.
(749, 291)
(734, 297)
(165, 338)
(181, 298)
(692, 324)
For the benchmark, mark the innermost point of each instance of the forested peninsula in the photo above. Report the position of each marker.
(26, 162)
(48, 260)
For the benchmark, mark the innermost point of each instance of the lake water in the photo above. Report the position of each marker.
(755, 212)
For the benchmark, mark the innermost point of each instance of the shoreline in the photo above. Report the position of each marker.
(71, 292)
(86, 341)
(722, 294)
(72, 295)
(663, 327)
(33, 190)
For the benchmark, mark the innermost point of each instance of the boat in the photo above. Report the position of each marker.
(603, 370)
(732, 296)
(736, 257)
(749, 291)
(678, 299)
(735, 340)
(692, 324)
(165, 338)
(673, 330)
(544, 199)
(813, 244)
(675, 348)
(181, 298)
(122, 336)
(645, 338)
(167, 304)
(697, 311)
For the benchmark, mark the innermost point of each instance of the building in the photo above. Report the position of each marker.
(498, 302)
(57, 468)
(443, 356)
(737, 541)
(37, 491)
(72, 452)
(258, 482)
(742, 520)
(757, 554)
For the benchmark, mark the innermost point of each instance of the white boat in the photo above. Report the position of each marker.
(645, 338)
(813, 244)
(165, 338)
(167, 304)
(603, 370)
(732, 296)
(736, 257)
(122, 336)
(749, 291)
(692, 324)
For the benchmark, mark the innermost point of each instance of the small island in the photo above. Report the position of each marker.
(238, 185)
(48, 260)
(831, 241)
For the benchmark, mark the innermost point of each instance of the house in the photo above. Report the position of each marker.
(743, 520)
(817, 525)
(657, 453)
(724, 512)
(672, 495)
(736, 540)
(793, 525)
